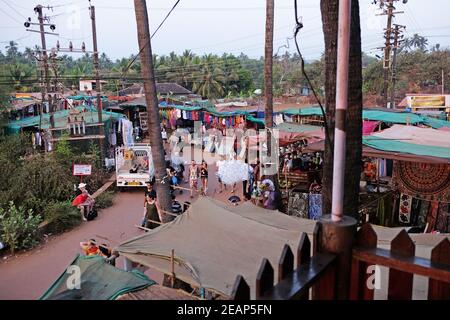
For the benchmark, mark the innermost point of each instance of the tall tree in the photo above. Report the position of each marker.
(147, 71)
(268, 65)
(329, 10)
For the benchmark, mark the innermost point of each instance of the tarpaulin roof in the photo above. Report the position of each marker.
(369, 126)
(412, 140)
(392, 117)
(415, 135)
(436, 123)
(99, 281)
(309, 111)
(81, 97)
(90, 116)
(214, 242)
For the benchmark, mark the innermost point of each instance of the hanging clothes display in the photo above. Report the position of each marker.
(422, 218)
(315, 206)
(127, 132)
(432, 215)
(405, 208)
(443, 218)
(298, 204)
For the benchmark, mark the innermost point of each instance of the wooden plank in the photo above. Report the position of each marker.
(416, 265)
(297, 284)
(440, 290)
(76, 138)
(241, 290)
(365, 238)
(325, 286)
(264, 278)
(286, 263)
(105, 186)
(401, 282)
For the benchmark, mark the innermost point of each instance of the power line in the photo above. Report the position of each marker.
(162, 22)
(14, 9)
(12, 17)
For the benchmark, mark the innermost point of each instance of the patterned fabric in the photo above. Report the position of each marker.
(315, 206)
(422, 218)
(424, 180)
(404, 213)
(298, 204)
(443, 218)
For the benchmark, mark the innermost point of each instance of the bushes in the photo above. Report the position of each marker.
(19, 228)
(104, 200)
(61, 216)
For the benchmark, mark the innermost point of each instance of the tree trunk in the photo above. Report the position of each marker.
(162, 190)
(329, 9)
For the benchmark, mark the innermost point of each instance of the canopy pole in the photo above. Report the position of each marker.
(172, 268)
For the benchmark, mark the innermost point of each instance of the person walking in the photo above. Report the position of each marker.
(193, 177)
(204, 177)
(151, 216)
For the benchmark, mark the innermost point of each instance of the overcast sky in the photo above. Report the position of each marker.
(210, 26)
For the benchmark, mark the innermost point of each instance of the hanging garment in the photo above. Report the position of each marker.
(443, 218)
(178, 113)
(405, 209)
(432, 216)
(422, 218)
(415, 211)
(113, 139)
(315, 206)
(382, 168)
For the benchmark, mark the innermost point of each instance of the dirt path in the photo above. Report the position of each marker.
(28, 275)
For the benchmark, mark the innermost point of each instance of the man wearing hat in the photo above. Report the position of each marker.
(84, 200)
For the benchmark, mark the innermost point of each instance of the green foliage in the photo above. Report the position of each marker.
(61, 216)
(19, 227)
(105, 200)
(63, 151)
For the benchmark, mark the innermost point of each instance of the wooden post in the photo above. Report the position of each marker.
(337, 238)
(367, 238)
(303, 250)
(286, 263)
(400, 282)
(241, 290)
(438, 290)
(264, 278)
(172, 268)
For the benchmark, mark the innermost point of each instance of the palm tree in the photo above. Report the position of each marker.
(353, 120)
(415, 42)
(147, 72)
(209, 79)
(12, 50)
(19, 74)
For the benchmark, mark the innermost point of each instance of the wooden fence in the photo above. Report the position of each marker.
(320, 270)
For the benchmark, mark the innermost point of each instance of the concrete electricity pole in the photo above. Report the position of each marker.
(97, 81)
(397, 31)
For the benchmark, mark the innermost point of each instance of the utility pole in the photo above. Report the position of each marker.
(97, 81)
(154, 128)
(443, 82)
(388, 9)
(268, 65)
(397, 30)
(44, 58)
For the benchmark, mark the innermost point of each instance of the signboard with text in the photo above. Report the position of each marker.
(82, 169)
(143, 119)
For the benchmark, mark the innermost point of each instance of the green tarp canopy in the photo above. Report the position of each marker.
(309, 111)
(436, 123)
(255, 120)
(405, 147)
(392, 117)
(296, 127)
(90, 116)
(81, 97)
(99, 281)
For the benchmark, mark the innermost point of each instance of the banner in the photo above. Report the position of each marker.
(428, 101)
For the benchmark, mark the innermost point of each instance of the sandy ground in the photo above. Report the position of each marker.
(30, 274)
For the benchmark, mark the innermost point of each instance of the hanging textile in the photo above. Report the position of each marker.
(315, 206)
(382, 168)
(415, 211)
(298, 204)
(430, 181)
(443, 218)
(432, 215)
(422, 218)
(404, 216)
